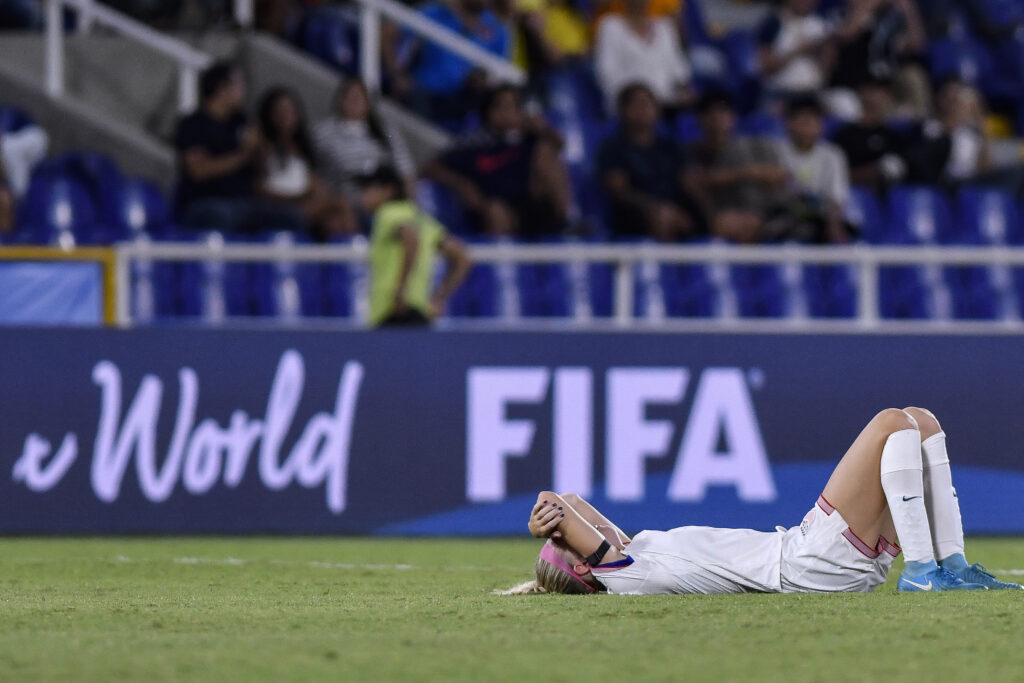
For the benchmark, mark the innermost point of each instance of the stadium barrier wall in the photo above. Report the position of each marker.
(184, 430)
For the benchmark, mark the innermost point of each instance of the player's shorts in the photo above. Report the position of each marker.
(823, 555)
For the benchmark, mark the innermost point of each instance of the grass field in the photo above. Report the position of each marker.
(361, 609)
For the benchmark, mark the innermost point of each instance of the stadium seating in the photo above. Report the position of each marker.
(83, 198)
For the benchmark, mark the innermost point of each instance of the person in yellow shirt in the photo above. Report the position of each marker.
(550, 32)
(404, 244)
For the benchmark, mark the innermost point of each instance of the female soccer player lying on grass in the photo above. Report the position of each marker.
(895, 479)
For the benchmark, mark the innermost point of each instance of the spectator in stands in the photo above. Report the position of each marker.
(355, 141)
(218, 151)
(795, 50)
(634, 47)
(508, 174)
(20, 151)
(736, 180)
(643, 173)
(881, 39)
(552, 33)
(438, 83)
(404, 244)
(286, 167)
(875, 150)
(954, 149)
(819, 185)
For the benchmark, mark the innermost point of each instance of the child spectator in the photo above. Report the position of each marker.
(819, 185)
(354, 141)
(404, 244)
(642, 173)
(874, 149)
(286, 167)
(508, 174)
(795, 52)
(443, 86)
(218, 150)
(634, 47)
(736, 180)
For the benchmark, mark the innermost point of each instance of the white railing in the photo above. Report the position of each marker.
(371, 12)
(626, 259)
(190, 60)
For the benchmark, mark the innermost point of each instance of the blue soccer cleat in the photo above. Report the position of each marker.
(936, 580)
(976, 573)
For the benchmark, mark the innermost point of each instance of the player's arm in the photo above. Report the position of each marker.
(457, 267)
(552, 514)
(611, 531)
(410, 242)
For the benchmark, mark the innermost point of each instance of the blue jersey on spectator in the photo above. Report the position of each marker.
(441, 72)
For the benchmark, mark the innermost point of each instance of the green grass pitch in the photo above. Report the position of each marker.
(353, 609)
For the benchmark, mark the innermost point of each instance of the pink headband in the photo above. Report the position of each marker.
(551, 556)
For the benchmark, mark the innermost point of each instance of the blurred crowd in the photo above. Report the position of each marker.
(839, 94)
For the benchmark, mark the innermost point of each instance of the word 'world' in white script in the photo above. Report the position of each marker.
(200, 455)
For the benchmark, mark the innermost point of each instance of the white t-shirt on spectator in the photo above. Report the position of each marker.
(623, 57)
(803, 73)
(821, 172)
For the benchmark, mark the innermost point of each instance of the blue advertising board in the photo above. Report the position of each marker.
(183, 430)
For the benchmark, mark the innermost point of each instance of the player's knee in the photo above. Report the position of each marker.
(926, 421)
(893, 420)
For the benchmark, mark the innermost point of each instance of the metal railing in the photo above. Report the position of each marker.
(190, 61)
(370, 14)
(627, 261)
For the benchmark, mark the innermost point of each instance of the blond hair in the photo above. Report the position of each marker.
(550, 579)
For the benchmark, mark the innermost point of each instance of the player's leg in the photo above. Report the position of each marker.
(944, 507)
(855, 488)
(878, 487)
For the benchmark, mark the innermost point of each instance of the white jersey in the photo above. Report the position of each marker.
(698, 559)
(821, 555)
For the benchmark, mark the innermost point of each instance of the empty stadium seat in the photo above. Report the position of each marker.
(286, 290)
(139, 207)
(57, 209)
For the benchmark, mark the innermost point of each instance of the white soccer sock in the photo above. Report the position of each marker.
(903, 484)
(940, 498)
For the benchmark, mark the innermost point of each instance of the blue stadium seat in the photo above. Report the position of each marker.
(761, 124)
(985, 216)
(865, 211)
(830, 291)
(687, 291)
(903, 295)
(139, 207)
(332, 36)
(214, 290)
(760, 291)
(154, 288)
(918, 215)
(288, 290)
(478, 295)
(55, 208)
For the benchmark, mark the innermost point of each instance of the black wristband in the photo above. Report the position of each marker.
(595, 559)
